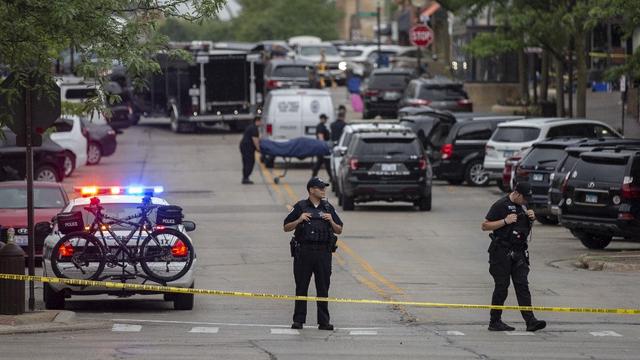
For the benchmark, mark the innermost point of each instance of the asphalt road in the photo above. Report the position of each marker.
(387, 251)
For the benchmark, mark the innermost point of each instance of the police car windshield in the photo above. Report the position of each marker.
(44, 198)
(114, 210)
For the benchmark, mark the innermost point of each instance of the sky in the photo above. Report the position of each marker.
(233, 7)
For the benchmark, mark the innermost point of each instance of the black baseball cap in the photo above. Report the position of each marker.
(316, 182)
(524, 189)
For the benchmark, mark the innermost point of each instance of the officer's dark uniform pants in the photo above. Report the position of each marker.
(248, 160)
(321, 160)
(503, 267)
(310, 260)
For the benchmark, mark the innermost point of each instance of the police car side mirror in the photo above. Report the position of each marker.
(189, 225)
(43, 228)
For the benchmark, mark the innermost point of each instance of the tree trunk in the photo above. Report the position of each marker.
(544, 77)
(559, 87)
(581, 59)
(523, 78)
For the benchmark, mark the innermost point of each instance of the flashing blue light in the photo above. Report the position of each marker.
(135, 190)
(158, 189)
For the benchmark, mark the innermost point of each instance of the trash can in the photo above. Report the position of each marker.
(12, 292)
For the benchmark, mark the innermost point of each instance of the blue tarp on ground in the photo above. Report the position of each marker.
(299, 147)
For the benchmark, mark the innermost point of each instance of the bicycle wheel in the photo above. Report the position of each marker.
(166, 255)
(78, 255)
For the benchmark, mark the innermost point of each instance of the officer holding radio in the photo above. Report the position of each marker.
(316, 224)
(510, 223)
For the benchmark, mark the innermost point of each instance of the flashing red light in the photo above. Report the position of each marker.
(115, 190)
(270, 129)
(179, 249)
(273, 84)
(446, 151)
(66, 250)
(160, 227)
(353, 164)
(88, 190)
(423, 164)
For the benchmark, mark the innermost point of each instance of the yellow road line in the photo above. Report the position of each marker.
(269, 178)
(178, 290)
(289, 190)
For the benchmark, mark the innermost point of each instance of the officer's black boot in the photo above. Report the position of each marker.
(498, 325)
(535, 325)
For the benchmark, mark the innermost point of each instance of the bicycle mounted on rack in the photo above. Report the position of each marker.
(164, 254)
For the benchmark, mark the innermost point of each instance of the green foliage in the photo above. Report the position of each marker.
(210, 29)
(101, 32)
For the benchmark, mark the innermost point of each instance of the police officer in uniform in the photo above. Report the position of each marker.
(249, 144)
(323, 134)
(511, 222)
(337, 127)
(315, 222)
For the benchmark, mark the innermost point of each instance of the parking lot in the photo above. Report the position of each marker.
(387, 251)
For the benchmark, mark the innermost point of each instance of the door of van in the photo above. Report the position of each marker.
(312, 107)
(284, 117)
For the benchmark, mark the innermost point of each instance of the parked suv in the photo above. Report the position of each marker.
(602, 197)
(288, 73)
(383, 90)
(515, 136)
(462, 153)
(385, 167)
(438, 93)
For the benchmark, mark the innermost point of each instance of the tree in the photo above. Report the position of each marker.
(182, 30)
(101, 32)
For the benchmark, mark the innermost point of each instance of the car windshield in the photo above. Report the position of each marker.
(389, 146)
(115, 210)
(351, 53)
(315, 50)
(545, 157)
(512, 134)
(44, 198)
(291, 71)
(442, 93)
(389, 81)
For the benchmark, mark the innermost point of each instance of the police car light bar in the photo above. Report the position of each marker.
(87, 191)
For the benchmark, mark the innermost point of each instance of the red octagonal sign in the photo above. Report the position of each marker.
(421, 35)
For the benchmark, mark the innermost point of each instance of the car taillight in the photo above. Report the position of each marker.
(179, 249)
(465, 103)
(522, 172)
(130, 110)
(419, 102)
(65, 250)
(565, 183)
(423, 164)
(270, 129)
(446, 151)
(371, 93)
(353, 164)
(273, 84)
(629, 190)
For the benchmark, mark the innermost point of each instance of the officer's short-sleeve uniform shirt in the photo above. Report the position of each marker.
(322, 207)
(499, 210)
(322, 129)
(247, 142)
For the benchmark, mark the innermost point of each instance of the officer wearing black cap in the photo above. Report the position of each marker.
(511, 222)
(315, 223)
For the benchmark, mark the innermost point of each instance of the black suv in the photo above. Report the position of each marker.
(385, 167)
(288, 73)
(602, 197)
(48, 159)
(431, 128)
(462, 149)
(383, 90)
(568, 160)
(438, 93)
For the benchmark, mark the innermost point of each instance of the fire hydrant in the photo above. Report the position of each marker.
(12, 292)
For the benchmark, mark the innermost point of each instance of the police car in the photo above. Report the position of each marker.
(119, 202)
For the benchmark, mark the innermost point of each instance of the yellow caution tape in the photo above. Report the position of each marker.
(171, 289)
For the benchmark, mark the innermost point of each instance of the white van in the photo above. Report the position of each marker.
(293, 113)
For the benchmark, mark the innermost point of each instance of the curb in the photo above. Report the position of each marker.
(613, 263)
(53, 327)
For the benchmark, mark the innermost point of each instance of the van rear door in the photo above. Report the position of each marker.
(312, 107)
(285, 121)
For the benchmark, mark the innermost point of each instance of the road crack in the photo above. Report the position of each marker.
(255, 344)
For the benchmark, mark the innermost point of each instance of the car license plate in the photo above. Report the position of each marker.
(508, 153)
(374, 98)
(538, 177)
(591, 198)
(21, 240)
(391, 96)
(389, 167)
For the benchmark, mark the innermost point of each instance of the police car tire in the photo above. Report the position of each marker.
(348, 203)
(183, 301)
(53, 300)
(90, 239)
(185, 241)
(424, 204)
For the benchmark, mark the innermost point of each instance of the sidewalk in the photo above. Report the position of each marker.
(624, 261)
(46, 321)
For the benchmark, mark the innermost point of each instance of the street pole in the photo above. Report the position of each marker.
(379, 31)
(30, 210)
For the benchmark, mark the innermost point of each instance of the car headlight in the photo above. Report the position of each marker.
(342, 65)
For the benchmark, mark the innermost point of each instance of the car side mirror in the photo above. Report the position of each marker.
(43, 228)
(189, 226)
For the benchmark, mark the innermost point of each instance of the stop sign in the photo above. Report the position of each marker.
(421, 35)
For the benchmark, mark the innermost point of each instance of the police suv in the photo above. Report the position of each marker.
(119, 202)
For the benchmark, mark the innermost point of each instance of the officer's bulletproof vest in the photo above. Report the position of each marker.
(519, 231)
(316, 229)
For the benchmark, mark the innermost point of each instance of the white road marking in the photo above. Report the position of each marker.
(126, 328)
(605, 333)
(455, 333)
(204, 330)
(230, 324)
(520, 333)
(363, 332)
(284, 332)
